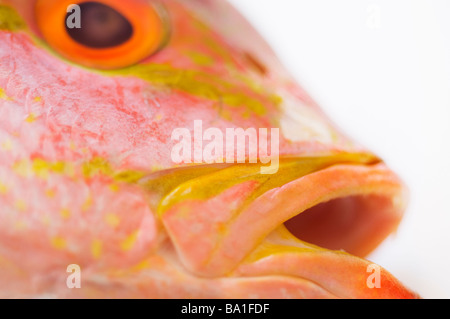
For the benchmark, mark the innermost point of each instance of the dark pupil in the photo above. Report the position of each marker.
(101, 26)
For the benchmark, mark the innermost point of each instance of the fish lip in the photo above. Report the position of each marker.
(324, 273)
(192, 173)
(328, 273)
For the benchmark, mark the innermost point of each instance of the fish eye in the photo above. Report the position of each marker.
(104, 34)
(103, 26)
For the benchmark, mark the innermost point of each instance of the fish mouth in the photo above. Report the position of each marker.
(311, 222)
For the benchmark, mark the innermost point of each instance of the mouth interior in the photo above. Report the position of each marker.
(345, 223)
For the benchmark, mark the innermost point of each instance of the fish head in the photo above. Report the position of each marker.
(162, 148)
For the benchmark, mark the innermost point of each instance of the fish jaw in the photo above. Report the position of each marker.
(238, 233)
(213, 235)
(53, 118)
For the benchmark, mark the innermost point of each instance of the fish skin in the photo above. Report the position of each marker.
(78, 147)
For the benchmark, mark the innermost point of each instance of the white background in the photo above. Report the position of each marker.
(381, 70)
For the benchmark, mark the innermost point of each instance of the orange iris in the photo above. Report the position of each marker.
(104, 34)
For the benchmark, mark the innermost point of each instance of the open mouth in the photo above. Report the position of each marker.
(312, 220)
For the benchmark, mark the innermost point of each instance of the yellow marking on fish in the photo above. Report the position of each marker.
(129, 177)
(65, 213)
(6, 145)
(58, 242)
(200, 59)
(3, 189)
(20, 205)
(222, 228)
(42, 168)
(158, 117)
(72, 146)
(58, 167)
(50, 193)
(114, 187)
(129, 242)
(31, 118)
(3, 95)
(37, 99)
(205, 85)
(87, 204)
(99, 166)
(268, 250)
(10, 19)
(112, 220)
(96, 167)
(282, 242)
(141, 266)
(96, 248)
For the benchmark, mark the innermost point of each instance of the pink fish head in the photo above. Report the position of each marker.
(159, 149)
